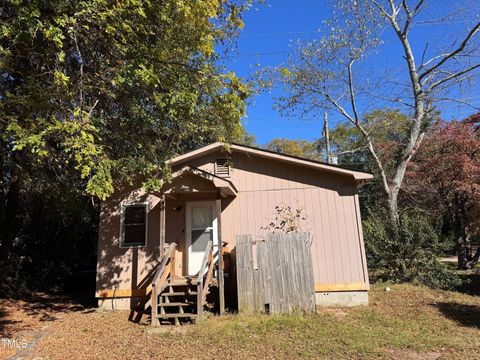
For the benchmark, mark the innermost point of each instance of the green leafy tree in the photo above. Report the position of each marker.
(388, 129)
(299, 148)
(105, 91)
(247, 139)
(413, 259)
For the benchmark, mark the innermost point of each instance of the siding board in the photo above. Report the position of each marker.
(330, 202)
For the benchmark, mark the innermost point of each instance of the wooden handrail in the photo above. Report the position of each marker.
(165, 272)
(206, 271)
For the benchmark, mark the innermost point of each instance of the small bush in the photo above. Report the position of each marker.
(410, 254)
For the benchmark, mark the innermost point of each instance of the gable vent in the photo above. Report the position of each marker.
(222, 167)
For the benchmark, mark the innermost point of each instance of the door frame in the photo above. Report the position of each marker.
(188, 227)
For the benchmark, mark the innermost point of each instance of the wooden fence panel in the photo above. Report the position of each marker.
(283, 278)
(245, 282)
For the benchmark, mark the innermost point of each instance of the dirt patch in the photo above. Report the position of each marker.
(23, 321)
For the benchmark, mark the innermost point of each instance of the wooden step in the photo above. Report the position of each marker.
(184, 281)
(175, 304)
(172, 316)
(179, 293)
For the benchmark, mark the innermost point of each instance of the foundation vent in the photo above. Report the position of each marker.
(222, 167)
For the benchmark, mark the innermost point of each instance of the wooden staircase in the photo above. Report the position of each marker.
(180, 300)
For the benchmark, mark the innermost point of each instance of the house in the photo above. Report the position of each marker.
(217, 193)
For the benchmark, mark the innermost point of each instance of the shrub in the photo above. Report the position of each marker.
(410, 254)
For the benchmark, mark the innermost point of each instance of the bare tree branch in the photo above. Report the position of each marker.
(367, 138)
(453, 53)
(391, 100)
(352, 93)
(441, 20)
(92, 108)
(410, 14)
(423, 64)
(459, 101)
(353, 151)
(382, 10)
(452, 76)
(394, 9)
(329, 86)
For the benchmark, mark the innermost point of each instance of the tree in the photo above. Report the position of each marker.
(299, 148)
(444, 177)
(247, 139)
(332, 72)
(387, 128)
(106, 91)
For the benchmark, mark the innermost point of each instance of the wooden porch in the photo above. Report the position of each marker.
(181, 299)
(177, 295)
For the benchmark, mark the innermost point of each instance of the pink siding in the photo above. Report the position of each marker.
(328, 200)
(125, 268)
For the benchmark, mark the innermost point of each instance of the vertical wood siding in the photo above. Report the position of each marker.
(329, 202)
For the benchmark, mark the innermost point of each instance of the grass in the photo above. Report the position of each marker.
(409, 322)
(417, 320)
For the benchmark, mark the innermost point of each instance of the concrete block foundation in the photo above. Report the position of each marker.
(124, 303)
(341, 298)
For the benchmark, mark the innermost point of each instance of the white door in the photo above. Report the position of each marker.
(201, 227)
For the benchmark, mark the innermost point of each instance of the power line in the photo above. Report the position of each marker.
(279, 33)
(433, 22)
(256, 54)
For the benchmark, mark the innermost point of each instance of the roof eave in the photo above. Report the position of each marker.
(357, 175)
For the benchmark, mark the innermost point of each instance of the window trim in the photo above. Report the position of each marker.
(122, 244)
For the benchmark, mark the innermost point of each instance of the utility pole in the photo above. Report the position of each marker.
(326, 137)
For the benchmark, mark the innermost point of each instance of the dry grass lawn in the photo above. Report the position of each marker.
(408, 322)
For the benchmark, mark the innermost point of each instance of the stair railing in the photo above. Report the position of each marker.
(163, 276)
(205, 276)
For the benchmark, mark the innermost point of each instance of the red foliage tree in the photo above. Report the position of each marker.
(445, 175)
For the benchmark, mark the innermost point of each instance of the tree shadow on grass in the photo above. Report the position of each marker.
(470, 279)
(47, 305)
(6, 322)
(470, 283)
(30, 310)
(464, 315)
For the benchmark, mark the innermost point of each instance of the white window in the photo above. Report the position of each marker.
(133, 225)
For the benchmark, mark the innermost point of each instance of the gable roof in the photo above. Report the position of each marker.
(357, 175)
(226, 187)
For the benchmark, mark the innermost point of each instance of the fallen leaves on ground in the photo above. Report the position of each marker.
(408, 322)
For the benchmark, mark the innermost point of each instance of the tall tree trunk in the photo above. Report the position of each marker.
(471, 264)
(461, 253)
(460, 234)
(392, 202)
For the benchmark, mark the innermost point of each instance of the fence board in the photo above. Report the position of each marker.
(283, 280)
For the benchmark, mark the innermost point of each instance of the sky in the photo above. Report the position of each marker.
(270, 33)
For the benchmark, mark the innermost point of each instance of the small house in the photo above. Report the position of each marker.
(169, 247)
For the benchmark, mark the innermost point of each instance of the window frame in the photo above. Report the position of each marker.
(122, 225)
